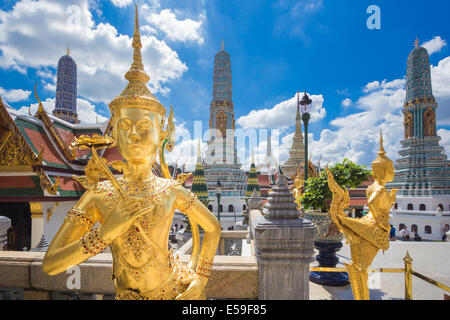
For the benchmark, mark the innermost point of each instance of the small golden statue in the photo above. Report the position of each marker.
(297, 188)
(369, 234)
(135, 211)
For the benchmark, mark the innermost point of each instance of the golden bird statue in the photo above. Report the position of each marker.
(369, 234)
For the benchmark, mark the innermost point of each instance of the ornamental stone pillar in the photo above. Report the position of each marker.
(37, 223)
(5, 224)
(284, 246)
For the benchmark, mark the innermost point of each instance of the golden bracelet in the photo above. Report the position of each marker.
(92, 243)
(204, 267)
(81, 214)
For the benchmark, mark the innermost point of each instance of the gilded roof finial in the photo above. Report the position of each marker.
(40, 108)
(416, 42)
(222, 45)
(253, 157)
(68, 50)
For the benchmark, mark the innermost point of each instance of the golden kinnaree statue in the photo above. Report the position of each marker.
(297, 189)
(369, 234)
(135, 211)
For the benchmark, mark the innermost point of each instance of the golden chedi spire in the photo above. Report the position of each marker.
(136, 94)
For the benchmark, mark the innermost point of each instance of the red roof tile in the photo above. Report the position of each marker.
(39, 139)
(112, 154)
(263, 180)
(19, 182)
(68, 184)
(358, 202)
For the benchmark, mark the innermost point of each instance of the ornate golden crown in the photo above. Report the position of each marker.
(136, 94)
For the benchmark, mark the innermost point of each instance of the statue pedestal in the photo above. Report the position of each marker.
(284, 251)
(327, 259)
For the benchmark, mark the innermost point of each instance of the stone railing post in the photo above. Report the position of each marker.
(284, 247)
(5, 224)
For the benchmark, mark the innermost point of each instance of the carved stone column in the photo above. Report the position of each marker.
(37, 223)
(284, 245)
(5, 224)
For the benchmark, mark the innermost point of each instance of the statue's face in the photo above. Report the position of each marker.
(137, 133)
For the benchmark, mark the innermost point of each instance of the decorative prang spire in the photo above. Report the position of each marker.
(281, 203)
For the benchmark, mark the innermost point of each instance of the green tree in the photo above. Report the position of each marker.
(317, 195)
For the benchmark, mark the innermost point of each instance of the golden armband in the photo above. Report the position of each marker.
(204, 267)
(92, 243)
(189, 204)
(79, 214)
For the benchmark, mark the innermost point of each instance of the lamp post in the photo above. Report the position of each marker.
(218, 194)
(306, 109)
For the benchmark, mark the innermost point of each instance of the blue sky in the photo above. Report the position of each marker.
(277, 48)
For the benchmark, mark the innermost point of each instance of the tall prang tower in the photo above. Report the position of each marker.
(222, 163)
(221, 118)
(422, 173)
(66, 89)
(297, 151)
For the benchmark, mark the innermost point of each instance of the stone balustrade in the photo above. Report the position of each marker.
(233, 277)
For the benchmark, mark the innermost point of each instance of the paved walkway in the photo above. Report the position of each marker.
(431, 259)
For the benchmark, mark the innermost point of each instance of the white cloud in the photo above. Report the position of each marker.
(357, 135)
(14, 95)
(434, 45)
(282, 115)
(445, 142)
(176, 30)
(346, 102)
(440, 79)
(34, 34)
(86, 111)
(121, 3)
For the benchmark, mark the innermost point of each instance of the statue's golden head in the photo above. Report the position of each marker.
(382, 166)
(137, 117)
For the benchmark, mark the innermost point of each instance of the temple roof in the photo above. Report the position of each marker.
(35, 157)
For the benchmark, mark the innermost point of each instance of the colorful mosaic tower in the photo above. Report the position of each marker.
(221, 162)
(297, 152)
(66, 90)
(252, 181)
(198, 184)
(422, 173)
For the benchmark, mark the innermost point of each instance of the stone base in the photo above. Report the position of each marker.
(327, 259)
(284, 250)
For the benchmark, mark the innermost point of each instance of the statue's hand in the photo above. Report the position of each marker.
(121, 219)
(195, 289)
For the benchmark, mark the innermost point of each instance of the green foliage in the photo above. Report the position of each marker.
(317, 195)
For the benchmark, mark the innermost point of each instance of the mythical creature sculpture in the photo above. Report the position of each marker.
(135, 211)
(369, 234)
(429, 122)
(297, 189)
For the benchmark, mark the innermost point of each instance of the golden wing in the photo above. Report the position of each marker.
(340, 201)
